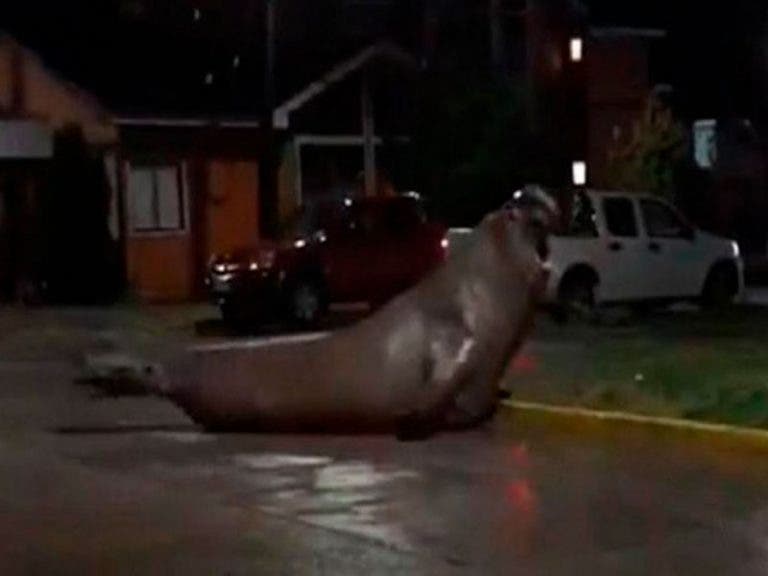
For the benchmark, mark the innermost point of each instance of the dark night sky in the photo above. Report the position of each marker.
(712, 54)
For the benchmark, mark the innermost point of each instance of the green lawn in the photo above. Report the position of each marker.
(685, 364)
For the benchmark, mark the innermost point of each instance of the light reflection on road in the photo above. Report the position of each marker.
(341, 496)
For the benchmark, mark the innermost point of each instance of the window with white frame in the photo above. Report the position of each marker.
(156, 199)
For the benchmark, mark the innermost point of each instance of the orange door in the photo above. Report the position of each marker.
(232, 205)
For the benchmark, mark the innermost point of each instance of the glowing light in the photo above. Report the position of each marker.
(266, 259)
(226, 268)
(736, 249)
(524, 363)
(347, 202)
(253, 266)
(209, 78)
(577, 49)
(197, 15)
(236, 61)
(520, 455)
(444, 243)
(579, 173)
(301, 243)
(523, 498)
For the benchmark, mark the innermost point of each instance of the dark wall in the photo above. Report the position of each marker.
(79, 261)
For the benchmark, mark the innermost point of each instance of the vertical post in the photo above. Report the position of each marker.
(269, 68)
(496, 36)
(532, 42)
(18, 80)
(268, 196)
(369, 137)
(429, 34)
(299, 177)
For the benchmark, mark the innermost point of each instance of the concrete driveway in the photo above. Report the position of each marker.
(129, 486)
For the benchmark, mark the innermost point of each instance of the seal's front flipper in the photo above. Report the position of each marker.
(447, 364)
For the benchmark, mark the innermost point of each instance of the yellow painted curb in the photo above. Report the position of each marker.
(752, 436)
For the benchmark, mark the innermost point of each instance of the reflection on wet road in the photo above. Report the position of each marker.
(129, 486)
(492, 501)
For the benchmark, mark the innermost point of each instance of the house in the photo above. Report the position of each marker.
(618, 84)
(726, 190)
(182, 174)
(190, 186)
(36, 107)
(338, 129)
(178, 189)
(587, 81)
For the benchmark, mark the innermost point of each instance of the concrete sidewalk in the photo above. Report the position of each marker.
(129, 486)
(756, 296)
(66, 333)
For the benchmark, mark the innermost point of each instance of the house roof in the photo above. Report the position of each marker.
(608, 32)
(158, 116)
(9, 41)
(298, 88)
(165, 59)
(281, 117)
(39, 87)
(337, 73)
(159, 121)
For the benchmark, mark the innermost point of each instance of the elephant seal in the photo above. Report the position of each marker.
(431, 359)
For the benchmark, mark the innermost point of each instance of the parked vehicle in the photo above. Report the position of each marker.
(638, 249)
(363, 250)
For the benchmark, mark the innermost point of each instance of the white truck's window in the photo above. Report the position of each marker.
(620, 217)
(661, 221)
(579, 220)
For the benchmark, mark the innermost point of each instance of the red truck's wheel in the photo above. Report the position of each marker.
(306, 302)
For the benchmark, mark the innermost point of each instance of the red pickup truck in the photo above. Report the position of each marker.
(361, 250)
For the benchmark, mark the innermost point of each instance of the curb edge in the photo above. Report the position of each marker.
(724, 431)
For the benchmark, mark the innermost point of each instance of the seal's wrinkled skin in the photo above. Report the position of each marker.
(429, 360)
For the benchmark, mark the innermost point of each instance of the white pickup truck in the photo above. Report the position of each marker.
(638, 249)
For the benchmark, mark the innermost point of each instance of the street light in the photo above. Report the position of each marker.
(579, 173)
(577, 49)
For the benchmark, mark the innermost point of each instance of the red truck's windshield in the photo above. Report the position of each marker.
(391, 215)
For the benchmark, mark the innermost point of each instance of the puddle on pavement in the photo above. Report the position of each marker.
(345, 496)
(184, 437)
(273, 461)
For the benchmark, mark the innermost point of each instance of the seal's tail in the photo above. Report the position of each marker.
(115, 374)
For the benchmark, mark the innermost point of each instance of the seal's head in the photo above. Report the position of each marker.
(522, 229)
(537, 212)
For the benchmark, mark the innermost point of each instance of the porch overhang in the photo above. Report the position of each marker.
(25, 140)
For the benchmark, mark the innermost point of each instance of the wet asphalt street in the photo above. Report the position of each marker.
(128, 486)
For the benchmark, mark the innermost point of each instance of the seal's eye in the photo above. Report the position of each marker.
(542, 249)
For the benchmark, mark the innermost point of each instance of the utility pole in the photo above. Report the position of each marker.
(269, 68)
(496, 29)
(268, 193)
(369, 136)
(431, 24)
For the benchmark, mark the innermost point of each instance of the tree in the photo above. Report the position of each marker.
(475, 145)
(648, 160)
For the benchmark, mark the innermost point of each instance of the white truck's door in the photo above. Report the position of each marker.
(623, 257)
(675, 263)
